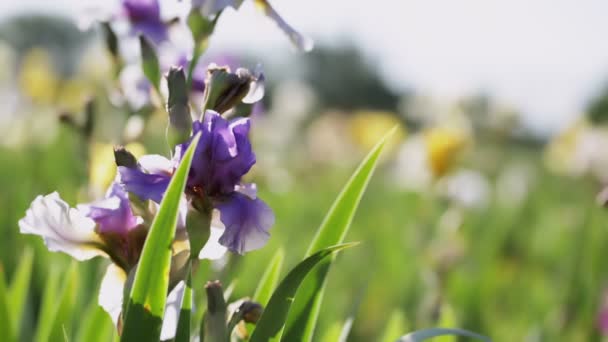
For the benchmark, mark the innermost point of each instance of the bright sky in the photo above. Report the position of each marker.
(544, 57)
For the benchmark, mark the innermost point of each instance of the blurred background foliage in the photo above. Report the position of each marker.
(471, 221)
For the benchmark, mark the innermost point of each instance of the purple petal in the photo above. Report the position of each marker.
(155, 31)
(223, 154)
(112, 214)
(142, 10)
(144, 185)
(246, 223)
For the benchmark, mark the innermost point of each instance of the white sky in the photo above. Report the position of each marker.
(544, 57)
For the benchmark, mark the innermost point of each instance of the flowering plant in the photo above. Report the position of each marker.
(162, 214)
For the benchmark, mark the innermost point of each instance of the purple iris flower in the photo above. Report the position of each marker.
(222, 157)
(112, 214)
(145, 19)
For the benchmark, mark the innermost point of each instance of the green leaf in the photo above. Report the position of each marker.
(64, 303)
(396, 324)
(425, 334)
(48, 306)
(5, 317)
(270, 278)
(303, 316)
(149, 62)
(275, 313)
(183, 324)
(19, 288)
(95, 325)
(143, 319)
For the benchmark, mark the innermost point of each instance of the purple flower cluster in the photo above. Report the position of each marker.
(222, 157)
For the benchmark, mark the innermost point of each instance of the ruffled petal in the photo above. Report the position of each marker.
(113, 214)
(63, 228)
(246, 222)
(256, 87)
(223, 155)
(156, 164)
(144, 185)
(172, 310)
(248, 189)
(111, 291)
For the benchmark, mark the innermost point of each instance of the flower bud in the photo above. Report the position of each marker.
(225, 89)
(215, 318)
(122, 157)
(180, 121)
(149, 59)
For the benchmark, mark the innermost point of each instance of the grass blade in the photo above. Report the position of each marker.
(5, 318)
(183, 324)
(146, 306)
(96, 325)
(394, 328)
(48, 307)
(275, 313)
(270, 278)
(303, 316)
(19, 288)
(64, 303)
(421, 335)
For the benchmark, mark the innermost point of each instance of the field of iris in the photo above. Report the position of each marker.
(468, 225)
(533, 271)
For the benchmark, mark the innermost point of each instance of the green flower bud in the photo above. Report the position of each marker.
(225, 89)
(180, 120)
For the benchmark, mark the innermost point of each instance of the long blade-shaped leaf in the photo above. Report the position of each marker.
(144, 313)
(270, 278)
(395, 326)
(64, 304)
(275, 313)
(183, 324)
(421, 335)
(48, 306)
(303, 316)
(95, 325)
(5, 318)
(19, 288)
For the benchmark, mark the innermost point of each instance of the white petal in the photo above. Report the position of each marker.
(111, 290)
(248, 189)
(212, 249)
(172, 309)
(257, 87)
(154, 163)
(63, 228)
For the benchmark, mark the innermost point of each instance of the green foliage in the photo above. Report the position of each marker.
(269, 279)
(395, 326)
(149, 63)
(275, 313)
(426, 334)
(143, 319)
(302, 320)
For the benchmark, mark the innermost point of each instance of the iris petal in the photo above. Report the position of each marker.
(246, 222)
(63, 228)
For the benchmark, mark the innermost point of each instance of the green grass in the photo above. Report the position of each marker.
(533, 270)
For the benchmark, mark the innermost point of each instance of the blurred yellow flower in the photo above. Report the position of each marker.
(38, 78)
(443, 147)
(73, 94)
(102, 167)
(560, 152)
(368, 127)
